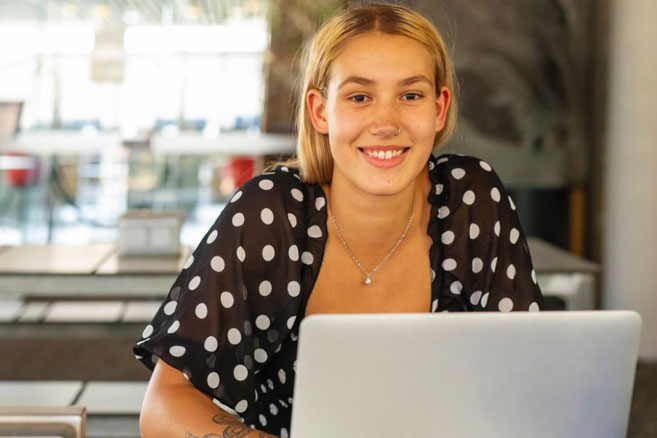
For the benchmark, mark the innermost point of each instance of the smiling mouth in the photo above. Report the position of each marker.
(384, 153)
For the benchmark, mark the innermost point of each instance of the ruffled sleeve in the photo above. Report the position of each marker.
(238, 296)
(483, 258)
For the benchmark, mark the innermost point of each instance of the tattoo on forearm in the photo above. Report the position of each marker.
(224, 418)
(237, 431)
(234, 429)
(210, 435)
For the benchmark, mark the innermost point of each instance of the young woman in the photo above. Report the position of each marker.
(366, 220)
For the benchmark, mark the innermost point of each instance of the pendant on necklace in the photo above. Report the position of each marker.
(368, 281)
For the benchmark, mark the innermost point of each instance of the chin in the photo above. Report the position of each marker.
(384, 187)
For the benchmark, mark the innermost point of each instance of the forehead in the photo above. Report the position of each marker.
(381, 57)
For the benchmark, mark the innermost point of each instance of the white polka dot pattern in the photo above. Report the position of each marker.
(505, 305)
(217, 264)
(456, 288)
(238, 219)
(194, 283)
(227, 299)
(474, 231)
(267, 216)
(212, 237)
(201, 311)
(307, 258)
(177, 351)
(297, 194)
(175, 325)
(248, 331)
(170, 307)
(234, 336)
(268, 253)
(147, 331)
(260, 355)
(240, 372)
(293, 253)
(241, 406)
(262, 322)
(458, 173)
(449, 265)
(241, 254)
(210, 344)
(292, 219)
(495, 194)
(213, 380)
(293, 288)
(236, 197)
(265, 288)
(315, 232)
(469, 197)
(511, 272)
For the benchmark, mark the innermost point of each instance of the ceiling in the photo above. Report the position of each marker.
(126, 12)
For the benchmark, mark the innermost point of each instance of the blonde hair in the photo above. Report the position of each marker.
(313, 154)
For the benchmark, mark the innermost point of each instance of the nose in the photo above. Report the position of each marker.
(385, 123)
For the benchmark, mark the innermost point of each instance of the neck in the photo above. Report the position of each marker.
(372, 224)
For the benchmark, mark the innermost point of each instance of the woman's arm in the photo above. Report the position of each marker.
(174, 408)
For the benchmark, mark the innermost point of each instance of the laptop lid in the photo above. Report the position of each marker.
(547, 374)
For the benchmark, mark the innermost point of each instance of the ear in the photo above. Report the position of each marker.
(442, 106)
(317, 109)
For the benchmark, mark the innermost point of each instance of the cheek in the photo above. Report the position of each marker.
(422, 123)
(344, 124)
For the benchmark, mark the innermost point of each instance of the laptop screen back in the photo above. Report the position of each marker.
(548, 374)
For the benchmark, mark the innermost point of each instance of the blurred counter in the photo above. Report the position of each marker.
(96, 270)
(78, 143)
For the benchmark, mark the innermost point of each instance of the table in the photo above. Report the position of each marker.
(97, 271)
(112, 407)
(89, 271)
(564, 275)
(39, 393)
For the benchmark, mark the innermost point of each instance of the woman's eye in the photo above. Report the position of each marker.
(412, 96)
(358, 98)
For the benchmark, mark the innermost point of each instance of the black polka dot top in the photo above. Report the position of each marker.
(230, 322)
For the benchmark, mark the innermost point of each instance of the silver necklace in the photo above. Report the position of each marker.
(368, 275)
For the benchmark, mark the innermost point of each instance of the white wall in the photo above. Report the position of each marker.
(630, 230)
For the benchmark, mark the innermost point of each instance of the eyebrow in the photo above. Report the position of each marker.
(402, 83)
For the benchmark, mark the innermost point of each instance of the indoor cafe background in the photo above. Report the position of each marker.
(167, 106)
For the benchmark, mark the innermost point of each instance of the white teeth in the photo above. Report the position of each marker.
(381, 155)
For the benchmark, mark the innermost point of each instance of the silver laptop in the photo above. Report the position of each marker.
(547, 374)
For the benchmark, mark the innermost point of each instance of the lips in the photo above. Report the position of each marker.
(384, 156)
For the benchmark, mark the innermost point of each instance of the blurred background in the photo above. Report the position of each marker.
(125, 126)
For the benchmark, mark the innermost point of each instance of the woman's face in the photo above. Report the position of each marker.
(381, 112)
